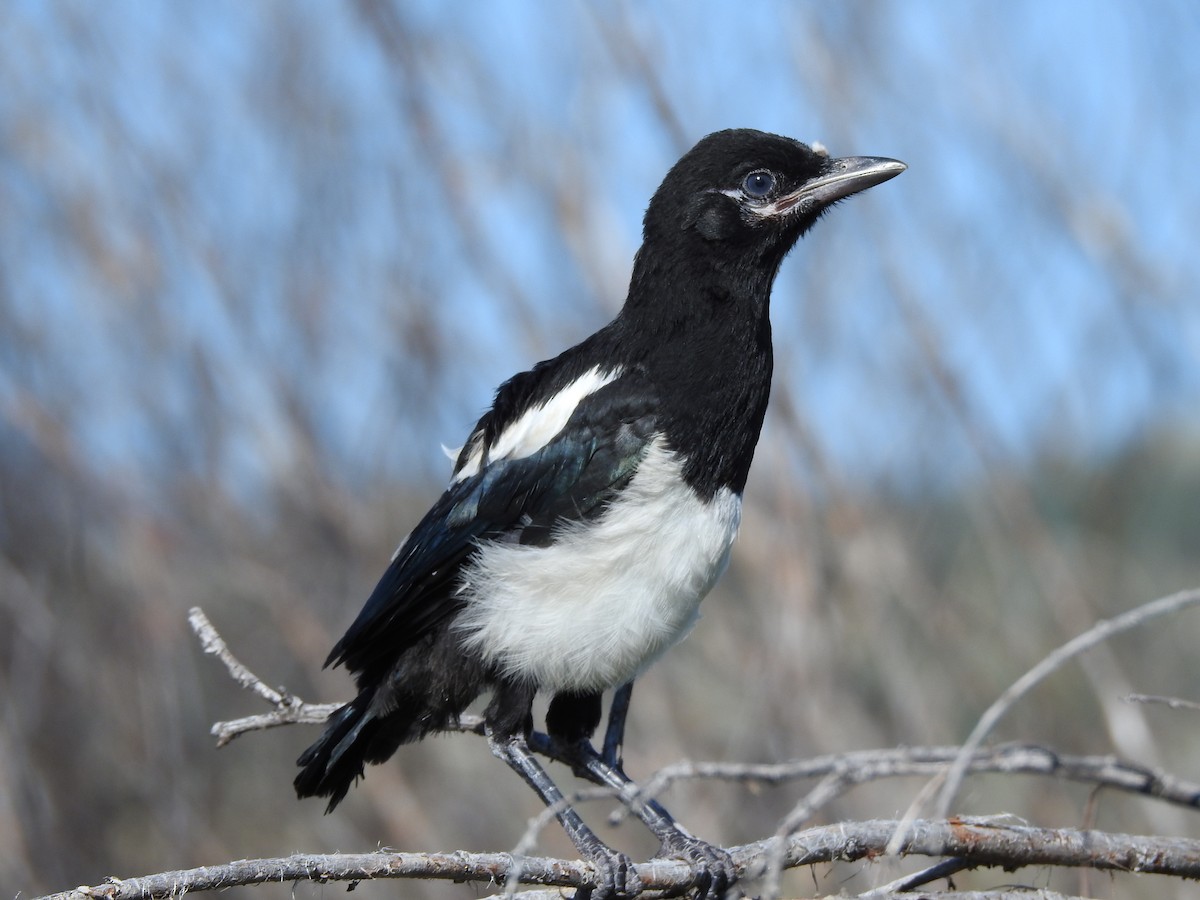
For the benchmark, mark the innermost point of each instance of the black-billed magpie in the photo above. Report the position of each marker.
(595, 504)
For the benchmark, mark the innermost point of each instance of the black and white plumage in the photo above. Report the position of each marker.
(595, 504)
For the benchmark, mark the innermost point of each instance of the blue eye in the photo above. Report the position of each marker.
(758, 184)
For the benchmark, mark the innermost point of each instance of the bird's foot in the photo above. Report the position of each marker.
(616, 877)
(718, 872)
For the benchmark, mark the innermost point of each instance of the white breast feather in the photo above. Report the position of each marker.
(603, 601)
(534, 429)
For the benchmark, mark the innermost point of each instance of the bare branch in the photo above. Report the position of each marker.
(289, 709)
(823, 792)
(936, 872)
(1172, 702)
(213, 644)
(1016, 893)
(847, 770)
(841, 771)
(959, 843)
(1098, 633)
(534, 829)
(978, 843)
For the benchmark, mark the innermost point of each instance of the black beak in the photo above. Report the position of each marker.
(838, 180)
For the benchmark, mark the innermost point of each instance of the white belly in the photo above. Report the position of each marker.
(608, 596)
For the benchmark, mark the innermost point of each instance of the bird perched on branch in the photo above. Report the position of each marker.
(594, 505)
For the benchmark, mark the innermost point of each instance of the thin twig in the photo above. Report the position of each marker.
(863, 766)
(537, 825)
(1097, 634)
(1015, 893)
(936, 872)
(288, 708)
(213, 644)
(1172, 702)
(825, 790)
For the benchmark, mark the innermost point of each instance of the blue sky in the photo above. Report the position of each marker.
(213, 194)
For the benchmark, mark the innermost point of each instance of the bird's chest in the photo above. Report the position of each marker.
(609, 595)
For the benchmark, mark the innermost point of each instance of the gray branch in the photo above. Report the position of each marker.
(976, 842)
(842, 770)
(857, 767)
(955, 843)
(1097, 634)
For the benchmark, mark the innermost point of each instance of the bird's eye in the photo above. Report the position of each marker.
(758, 184)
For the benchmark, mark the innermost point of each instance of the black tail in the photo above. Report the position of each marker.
(363, 731)
(422, 692)
(335, 761)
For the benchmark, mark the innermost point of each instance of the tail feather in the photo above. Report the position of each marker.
(423, 692)
(334, 762)
(358, 733)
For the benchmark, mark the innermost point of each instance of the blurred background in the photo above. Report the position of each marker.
(258, 260)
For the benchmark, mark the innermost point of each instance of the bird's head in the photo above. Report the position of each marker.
(739, 200)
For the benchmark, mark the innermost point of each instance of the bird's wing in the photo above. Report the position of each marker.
(512, 498)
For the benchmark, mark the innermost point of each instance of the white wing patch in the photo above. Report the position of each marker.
(609, 596)
(537, 426)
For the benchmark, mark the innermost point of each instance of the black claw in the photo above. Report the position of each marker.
(615, 876)
(718, 872)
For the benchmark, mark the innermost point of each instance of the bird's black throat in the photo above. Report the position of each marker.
(704, 342)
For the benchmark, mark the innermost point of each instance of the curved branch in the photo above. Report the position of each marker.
(289, 709)
(1097, 634)
(845, 770)
(862, 766)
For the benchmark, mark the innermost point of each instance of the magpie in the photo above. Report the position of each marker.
(595, 504)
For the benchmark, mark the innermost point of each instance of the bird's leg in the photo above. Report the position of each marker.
(507, 737)
(614, 734)
(719, 873)
(570, 721)
(615, 875)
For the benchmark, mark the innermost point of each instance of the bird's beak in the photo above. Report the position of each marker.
(839, 179)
